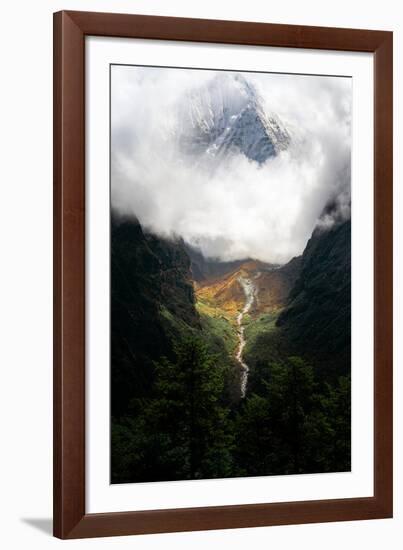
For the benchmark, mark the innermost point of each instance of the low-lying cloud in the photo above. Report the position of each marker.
(232, 208)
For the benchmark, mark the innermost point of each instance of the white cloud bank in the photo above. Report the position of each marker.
(234, 208)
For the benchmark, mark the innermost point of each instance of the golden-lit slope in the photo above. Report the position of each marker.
(224, 296)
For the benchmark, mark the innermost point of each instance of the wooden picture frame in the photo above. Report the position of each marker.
(70, 517)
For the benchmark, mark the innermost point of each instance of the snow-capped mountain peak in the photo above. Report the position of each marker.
(227, 115)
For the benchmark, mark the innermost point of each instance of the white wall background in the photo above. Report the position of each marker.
(26, 273)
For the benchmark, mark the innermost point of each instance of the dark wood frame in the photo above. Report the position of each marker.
(70, 517)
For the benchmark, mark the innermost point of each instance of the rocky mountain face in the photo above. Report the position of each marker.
(227, 116)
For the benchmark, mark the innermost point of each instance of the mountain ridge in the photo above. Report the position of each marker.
(225, 116)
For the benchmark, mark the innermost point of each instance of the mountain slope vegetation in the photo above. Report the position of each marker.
(177, 410)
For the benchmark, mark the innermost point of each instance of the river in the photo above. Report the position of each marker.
(249, 289)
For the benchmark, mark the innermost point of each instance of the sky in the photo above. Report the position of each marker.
(230, 207)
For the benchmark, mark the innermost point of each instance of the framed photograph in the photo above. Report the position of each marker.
(222, 274)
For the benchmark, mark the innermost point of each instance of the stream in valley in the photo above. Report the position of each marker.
(250, 290)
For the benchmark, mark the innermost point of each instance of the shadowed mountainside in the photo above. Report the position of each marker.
(150, 281)
(317, 316)
(314, 322)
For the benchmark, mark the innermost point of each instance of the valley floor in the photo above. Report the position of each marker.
(233, 308)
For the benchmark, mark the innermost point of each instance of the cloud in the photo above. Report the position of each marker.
(232, 208)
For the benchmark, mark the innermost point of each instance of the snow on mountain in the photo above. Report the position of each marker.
(227, 115)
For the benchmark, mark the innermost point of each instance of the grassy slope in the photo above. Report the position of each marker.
(219, 324)
(264, 323)
(220, 321)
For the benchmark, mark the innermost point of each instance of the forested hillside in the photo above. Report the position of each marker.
(181, 338)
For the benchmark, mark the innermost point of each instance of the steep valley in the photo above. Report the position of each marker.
(240, 341)
(301, 308)
(222, 365)
(247, 300)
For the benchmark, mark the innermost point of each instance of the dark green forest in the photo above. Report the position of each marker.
(176, 409)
